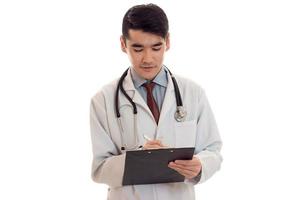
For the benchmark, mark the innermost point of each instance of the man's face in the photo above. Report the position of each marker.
(146, 52)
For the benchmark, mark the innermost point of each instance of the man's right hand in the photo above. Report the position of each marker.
(153, 144)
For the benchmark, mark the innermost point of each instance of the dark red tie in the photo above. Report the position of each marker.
(151, 101)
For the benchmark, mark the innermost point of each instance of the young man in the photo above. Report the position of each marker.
(149, 85)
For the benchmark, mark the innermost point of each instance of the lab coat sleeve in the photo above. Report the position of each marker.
(107, 165)
(208, 141)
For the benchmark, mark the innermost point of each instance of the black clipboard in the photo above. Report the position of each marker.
(151, 166)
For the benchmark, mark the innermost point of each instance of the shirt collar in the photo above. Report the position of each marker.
(160, 79)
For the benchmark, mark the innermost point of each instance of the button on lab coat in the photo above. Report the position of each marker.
(199, 130)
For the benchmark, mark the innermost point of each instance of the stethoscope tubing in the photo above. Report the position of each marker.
(121, 88)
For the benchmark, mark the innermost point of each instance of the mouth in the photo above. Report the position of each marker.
(147, 69)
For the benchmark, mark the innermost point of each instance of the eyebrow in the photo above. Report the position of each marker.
(141, 46)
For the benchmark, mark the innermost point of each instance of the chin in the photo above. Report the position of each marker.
(149, 78)
(149, 74)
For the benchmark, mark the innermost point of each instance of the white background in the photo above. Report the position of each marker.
(55, 55)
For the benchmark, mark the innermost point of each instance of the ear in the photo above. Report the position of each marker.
(123, 43)
(168, 42)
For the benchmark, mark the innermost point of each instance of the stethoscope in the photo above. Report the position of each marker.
(180, 113)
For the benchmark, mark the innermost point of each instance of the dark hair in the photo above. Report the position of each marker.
(148, 18)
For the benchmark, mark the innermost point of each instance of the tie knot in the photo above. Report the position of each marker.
(149, 86)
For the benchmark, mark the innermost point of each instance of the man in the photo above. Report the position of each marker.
(148, 84)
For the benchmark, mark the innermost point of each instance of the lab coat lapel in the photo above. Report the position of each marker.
(169, 100)
(133, 94)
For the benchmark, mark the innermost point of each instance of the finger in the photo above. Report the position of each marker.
(185, 173)
(187, 163)
(158, 142)
(147, 146)
(193, 169)
(155, 143)
(194, 162)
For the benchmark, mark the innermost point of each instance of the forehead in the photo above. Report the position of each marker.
(143, 38)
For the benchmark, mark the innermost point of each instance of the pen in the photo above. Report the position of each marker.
(146, 137)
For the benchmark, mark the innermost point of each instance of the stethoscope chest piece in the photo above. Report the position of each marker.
(180, 114)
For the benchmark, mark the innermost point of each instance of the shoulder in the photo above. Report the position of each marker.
(188, 85)
(106, 91)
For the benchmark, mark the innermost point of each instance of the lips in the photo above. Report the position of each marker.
(147, 69)
(147, 66)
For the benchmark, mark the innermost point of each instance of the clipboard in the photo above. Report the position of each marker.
(151, 166)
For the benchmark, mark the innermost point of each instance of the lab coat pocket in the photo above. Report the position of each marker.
(127, 125)
(185, 134)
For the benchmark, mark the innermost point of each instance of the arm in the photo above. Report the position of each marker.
(108, 165)
(208, 141)
(208, 145)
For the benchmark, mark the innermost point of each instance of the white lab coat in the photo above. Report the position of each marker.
(199, 130)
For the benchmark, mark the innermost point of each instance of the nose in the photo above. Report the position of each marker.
(147, 57)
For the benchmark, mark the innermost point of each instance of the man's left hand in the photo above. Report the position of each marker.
(188, 168)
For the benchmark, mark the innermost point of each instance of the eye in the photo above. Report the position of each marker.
(156, 49)
(137, 50)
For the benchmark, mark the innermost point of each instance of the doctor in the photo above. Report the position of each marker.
(142, 105)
